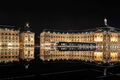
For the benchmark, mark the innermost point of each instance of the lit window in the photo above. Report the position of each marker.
(98, 37)
(114, 37)
(98, 56)
(114, 56)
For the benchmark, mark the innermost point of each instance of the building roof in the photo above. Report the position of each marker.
(26, 28)
(9, 27)
(98, 29)
(105, 28)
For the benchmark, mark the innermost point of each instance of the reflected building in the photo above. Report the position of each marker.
(101, 44)
(27, 53)
(9, 54)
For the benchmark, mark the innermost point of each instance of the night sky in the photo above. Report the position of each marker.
(60, 14)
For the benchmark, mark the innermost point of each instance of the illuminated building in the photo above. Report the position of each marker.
(27, 43)
(100, 45)
(16, 44)
(9, 42)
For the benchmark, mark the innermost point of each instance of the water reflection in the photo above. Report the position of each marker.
(9, 54)
(80, 55)
(27, 53)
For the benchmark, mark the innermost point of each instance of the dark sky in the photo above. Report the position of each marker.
(66, 14)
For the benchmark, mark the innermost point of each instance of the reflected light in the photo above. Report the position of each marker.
(98, 56)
